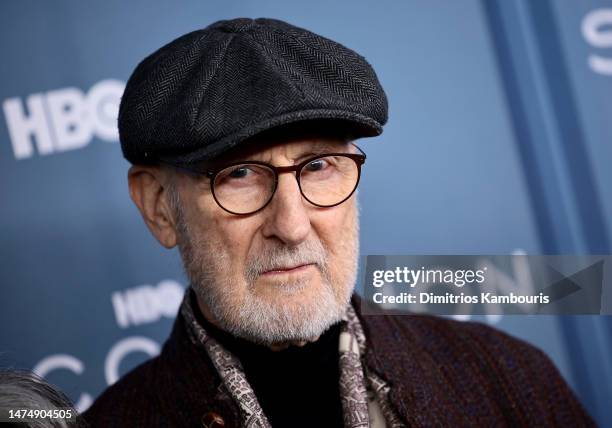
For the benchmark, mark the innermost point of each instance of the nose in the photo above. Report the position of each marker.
(287, 215)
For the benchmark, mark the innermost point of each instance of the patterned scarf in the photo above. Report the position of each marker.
(364, 396)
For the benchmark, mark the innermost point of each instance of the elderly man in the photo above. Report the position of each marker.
(241, 139)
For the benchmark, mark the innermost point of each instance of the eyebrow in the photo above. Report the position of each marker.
(315, 150)
(322, 149)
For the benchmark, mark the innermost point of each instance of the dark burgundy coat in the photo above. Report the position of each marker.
(441, 373)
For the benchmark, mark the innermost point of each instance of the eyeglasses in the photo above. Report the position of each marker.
(246, 187)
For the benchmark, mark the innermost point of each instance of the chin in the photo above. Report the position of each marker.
(296, 317)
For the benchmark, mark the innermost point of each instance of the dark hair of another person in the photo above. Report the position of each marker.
(20, 389)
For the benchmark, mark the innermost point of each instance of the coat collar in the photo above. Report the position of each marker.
(201, 391)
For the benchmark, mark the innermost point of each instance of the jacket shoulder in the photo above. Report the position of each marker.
(176, 388)
(470, 365)
(130, 401)
(473, 347)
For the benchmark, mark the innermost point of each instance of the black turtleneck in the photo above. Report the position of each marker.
(296, 387)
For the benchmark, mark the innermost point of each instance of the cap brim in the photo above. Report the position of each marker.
(360, 126)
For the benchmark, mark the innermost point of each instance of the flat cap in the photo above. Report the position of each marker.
(212, 89)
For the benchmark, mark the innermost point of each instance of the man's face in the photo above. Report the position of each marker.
(283, 274)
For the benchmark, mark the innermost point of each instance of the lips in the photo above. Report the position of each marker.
(284, 270)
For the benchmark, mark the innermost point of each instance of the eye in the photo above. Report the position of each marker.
(239, 172)
(316, 165)
(243, 175)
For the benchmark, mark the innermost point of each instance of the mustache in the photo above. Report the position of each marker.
(277, 257)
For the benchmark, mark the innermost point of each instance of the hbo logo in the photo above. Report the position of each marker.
(63, 119)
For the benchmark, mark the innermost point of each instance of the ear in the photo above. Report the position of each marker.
(148, 190)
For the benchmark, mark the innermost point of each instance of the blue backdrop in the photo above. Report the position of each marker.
(499, 140)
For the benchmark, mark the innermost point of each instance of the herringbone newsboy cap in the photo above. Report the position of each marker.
(209, 90)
